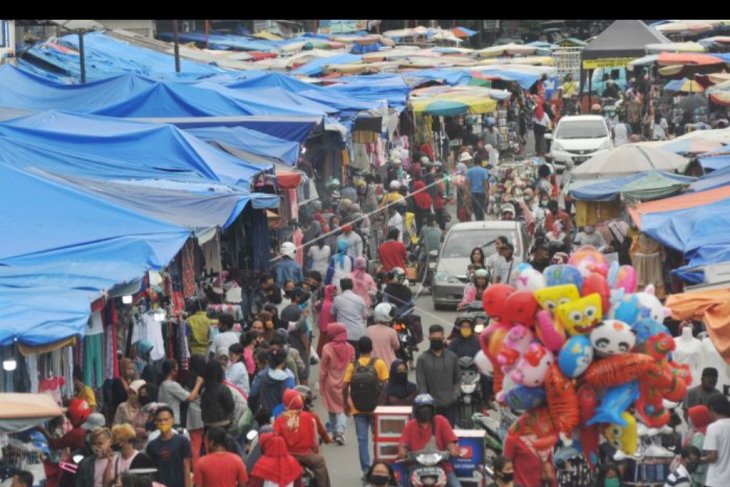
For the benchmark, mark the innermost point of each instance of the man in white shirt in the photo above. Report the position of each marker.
(507, 269)
(496, 258)
(717, 443)
(349, 309)
(396, 221)
(355, 241)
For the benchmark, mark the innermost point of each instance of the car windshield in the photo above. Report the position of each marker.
(461, 243)
(585, 129)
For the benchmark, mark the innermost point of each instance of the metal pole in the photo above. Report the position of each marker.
(177, 46)
(206, 34)
(82, 64)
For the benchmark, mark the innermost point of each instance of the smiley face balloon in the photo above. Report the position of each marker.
(580, 316)
(622, 437)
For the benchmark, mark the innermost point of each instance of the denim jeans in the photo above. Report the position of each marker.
(337, 423)
(363, 424)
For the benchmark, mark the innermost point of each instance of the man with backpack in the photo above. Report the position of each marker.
(438, 374)
(267, 391)
(364, 379)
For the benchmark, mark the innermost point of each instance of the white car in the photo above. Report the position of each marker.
(578, 138)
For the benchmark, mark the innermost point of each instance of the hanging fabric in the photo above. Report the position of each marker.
(212, 254)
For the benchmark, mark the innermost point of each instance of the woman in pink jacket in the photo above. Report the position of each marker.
(365, 286)
(325, 316)
(336, 355)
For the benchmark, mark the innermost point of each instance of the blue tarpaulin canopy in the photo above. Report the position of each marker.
(644, 186)
(91, 146)
(715, 179)
(252, 141)
(224, 41)
(107, 56)
(314, 68)
(376, 87)
(714, 161)
(524, 79)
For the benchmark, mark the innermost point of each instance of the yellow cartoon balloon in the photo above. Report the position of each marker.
(582, 315)
(622, 437)
(551, 297)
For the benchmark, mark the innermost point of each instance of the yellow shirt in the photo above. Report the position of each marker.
(569, 88)
(380, 368)
(88, 395)
(200, 324)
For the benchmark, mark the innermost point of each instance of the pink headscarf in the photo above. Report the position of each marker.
(325, 316)
(344, 353)
(363, 282)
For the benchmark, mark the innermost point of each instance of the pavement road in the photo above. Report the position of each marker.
(343, 461)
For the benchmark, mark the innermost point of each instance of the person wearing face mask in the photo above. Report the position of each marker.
(688, 463)
(438, 374)
(123, 436)
(93, 469)
(504, 472)
(465, 342)
(170, 451)
(540, 259)
(473, 291)
(429, 428)
(225, 337)
(381, 474)
(496, 258)
(295, 317)
(131, 412)
(608, 476)
(399, 391)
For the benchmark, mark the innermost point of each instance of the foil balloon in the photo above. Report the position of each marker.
(581, 316)
(520, 308)
(551, 333)
(551, 297)
(596, 283)
(623, 438)
(562, 400)
(659, 346)
(617, 369)
(575, 356)
(538, 423)
(514, 346)
(625, 279)
(560, 274)
(650, 305)
(589, 436)
(627, 309)
(650, 406)
(615, 402)
(532, 368)
(646, 328)
(523, 398)
(589, 259)
(494, 300)
(613, 337)
(529, 279)
(483, 363)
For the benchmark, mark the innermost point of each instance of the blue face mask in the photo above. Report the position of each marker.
(612, 482)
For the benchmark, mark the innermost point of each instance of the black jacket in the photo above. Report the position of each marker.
(216, 404)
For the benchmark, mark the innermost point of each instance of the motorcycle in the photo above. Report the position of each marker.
(492, 439)
(470, 393)
(427, 267)
(475, 311)
(406, 341)
(427, 470)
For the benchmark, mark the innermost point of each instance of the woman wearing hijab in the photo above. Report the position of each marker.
(699, 420)
(365, 286)
(398, 391)
(336, 355)
(275, 468)
(298, 429)
(341, 264)
(325, 316)
(422, 203)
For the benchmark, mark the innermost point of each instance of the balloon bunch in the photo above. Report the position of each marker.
(579, 352)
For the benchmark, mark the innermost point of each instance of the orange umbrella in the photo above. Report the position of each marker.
(689, 200)
(712, 307)
(681, 58)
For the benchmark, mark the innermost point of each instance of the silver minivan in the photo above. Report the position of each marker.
(450, 277)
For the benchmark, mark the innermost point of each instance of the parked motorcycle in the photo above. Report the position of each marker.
(427, 470)
(406, 341)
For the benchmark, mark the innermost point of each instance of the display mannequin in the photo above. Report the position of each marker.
(688, 350)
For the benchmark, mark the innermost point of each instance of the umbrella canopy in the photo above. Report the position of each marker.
(628, 159)
(507, 49)
(696, 145)
(676, 47)
(684, 86)
(644, 60)
(449, 101)
(22, 411)
(720, 93)
(644, 186)
(684, 26)
(463, 32)
(680, 58)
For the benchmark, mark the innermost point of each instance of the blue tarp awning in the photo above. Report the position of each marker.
(99, 147)
(524, 79)
(715, 161)
(645, 185)
(715, 179)
(253, 141)
(224, 41)
(314, 68)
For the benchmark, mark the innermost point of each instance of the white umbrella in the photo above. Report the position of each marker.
(628, 159)
(512, 49)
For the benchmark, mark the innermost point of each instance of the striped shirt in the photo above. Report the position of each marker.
(678, 478)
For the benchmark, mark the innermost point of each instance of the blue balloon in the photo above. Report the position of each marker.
(627, 309)
(523, 398)
(646, 328)
(615, 402)
(612, 273)
(558, 274)
(575, 356)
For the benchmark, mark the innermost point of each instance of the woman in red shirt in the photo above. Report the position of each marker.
(298, 429)
(220, 467)
(276, 464)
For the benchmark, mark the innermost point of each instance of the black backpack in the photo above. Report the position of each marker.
(365, 386)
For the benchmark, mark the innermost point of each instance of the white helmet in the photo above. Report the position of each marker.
(383, 313)
(394, 185)
(288, 249)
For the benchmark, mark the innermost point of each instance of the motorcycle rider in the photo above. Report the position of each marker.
(426, 428)
(428, 240)
(473, 291)
(464, 342)
(384, 337)
(398, 293)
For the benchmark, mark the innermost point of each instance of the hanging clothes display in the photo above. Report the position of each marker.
(212, 254)
(93, 348)
(188, 268)
(147, 327)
